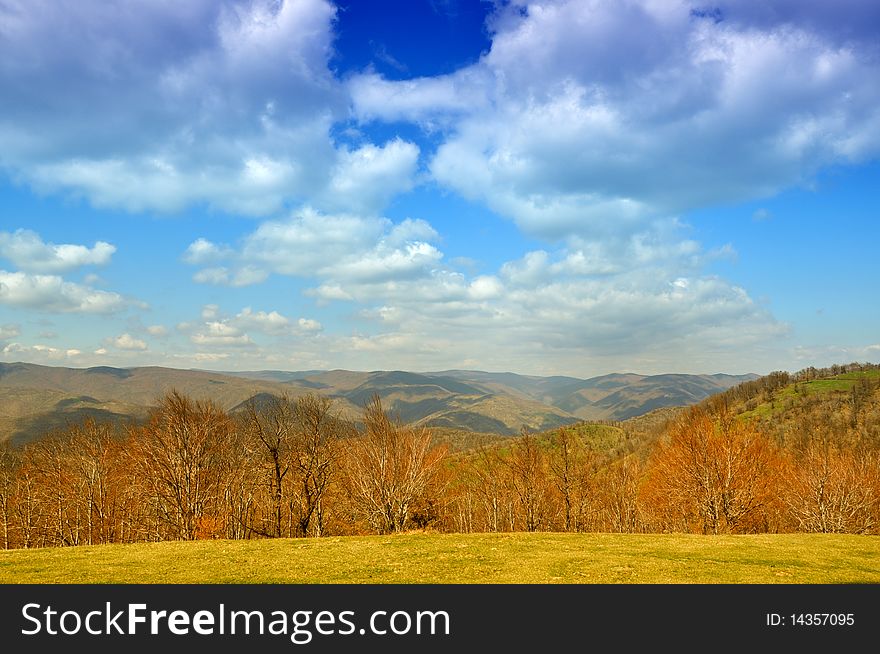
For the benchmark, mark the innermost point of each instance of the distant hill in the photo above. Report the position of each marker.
(841, 402)
(36, 398)
(609, 397)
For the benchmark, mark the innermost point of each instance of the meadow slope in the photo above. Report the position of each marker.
(456, 558)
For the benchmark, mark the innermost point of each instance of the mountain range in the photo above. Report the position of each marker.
(37, 399)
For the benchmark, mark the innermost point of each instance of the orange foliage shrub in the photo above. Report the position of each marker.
(713, 477)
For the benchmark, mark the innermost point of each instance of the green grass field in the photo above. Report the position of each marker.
(479, 558)
(839, 384)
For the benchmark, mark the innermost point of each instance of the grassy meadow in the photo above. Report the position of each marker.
(542, 558)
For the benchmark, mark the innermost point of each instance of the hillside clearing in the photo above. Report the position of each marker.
(472, 558)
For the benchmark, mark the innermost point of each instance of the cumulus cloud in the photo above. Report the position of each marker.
(596, 117)
(218, 330)
(567, 323)
(827, 355)
(210, 311)
(204, 356)
(129, 342)
(40, 352)
(301, 244)
(338, 246)
(9, 331)
(368, 177)
(309, 325)
(229, 104)
(270, 321)
(27, 250)
(157, 330)
(591, 125)
(222, 276)
(388, 263)
(432, 101)
(202, 251)
(221, 333)
(53, 294)
(643, 294)
(218, 276)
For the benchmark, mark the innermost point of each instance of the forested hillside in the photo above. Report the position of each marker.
(782, 453)
(37, 399)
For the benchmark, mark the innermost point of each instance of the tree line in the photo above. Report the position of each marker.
(282, 467)
(291, 467)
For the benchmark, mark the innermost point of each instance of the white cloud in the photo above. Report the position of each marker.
(640, 301)
(218, 276)
(210, 311)
(485, 287)
(27, 250)
(431, 101)
(202, 251)
(570, 325)
(329, 292)
(227, 104)
(220, 330)
(309, 325)
(213, 340)
(222, 276)
(328, 246)
(158, 331)
(39, 352)
(385, 263)
(9, 331)
(411, 230)
(589, 124)
(220, 333)
(828, 355)
(51, 293)
(128, 342)
(587, 307)
(268, 322)
(592, 119)
(365, 179)
(304, 245)
(248, 275)
(239, 338)
(309, 241)
(204, 356)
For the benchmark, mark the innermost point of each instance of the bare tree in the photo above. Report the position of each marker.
(488, 477)
(528, 479)
(834, 487)
(56, 489)
(28, 508)
(715, 474)
(619, 499)
(388, 468)
(270, 425)
(182, 461)
(8, 473)
(572, 465)
(315, 454)
(94, 453)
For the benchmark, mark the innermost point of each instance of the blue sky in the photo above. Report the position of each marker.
(546, 188)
